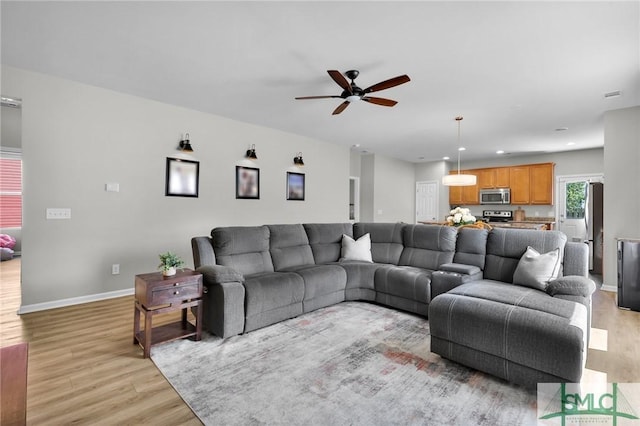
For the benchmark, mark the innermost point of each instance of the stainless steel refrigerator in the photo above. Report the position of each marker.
(629, 273)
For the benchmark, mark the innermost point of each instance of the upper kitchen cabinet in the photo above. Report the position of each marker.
(495, 177)
(529, 183)
(541, 176)
(520, 184)
(464, 195)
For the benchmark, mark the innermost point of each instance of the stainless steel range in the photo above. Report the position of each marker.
(497, 215)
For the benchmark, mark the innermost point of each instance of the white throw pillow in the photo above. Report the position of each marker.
(535, 270)
(359, 249)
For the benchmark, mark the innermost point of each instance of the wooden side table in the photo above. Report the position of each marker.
(156, 294)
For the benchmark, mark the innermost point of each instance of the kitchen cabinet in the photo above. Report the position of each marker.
(520, 184)
(495, 177)
(529, 184)
(464, 195)
(541, 186)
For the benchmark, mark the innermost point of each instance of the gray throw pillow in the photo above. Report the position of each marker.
(535, 270)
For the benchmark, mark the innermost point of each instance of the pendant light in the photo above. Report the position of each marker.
(459, 179)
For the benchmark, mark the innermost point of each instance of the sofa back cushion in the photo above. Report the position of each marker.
(326, 240)
(289, 246)
(428, 246)
(244, 248)
(505, 247)
(386, 240)
(471, 247)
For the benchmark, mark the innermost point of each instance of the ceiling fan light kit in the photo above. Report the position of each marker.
(459, 179)
(352, 93)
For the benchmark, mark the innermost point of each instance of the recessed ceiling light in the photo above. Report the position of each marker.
(357, 145)
(613, 94)
(571, 143)
(499, 152)
(462, 148)
(445, 158)
(561, 129)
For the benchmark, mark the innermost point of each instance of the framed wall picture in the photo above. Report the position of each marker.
(247, 182)
(182, 178)
(295, 186)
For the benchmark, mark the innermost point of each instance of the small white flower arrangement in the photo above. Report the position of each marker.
(460, 216)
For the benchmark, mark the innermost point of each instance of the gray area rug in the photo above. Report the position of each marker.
(349, 364)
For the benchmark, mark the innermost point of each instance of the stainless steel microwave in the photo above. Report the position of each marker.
(495, 196)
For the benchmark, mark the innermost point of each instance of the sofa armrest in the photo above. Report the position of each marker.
(202, 250)
(451, 275)
(459, 268)
(572, 285)
(218, 274)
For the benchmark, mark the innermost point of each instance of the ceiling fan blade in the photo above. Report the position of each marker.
(396, 81)
(318, 97)
(341, 108)
(379, 101)
(339, 78)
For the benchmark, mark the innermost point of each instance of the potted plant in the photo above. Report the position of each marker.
(169, 262)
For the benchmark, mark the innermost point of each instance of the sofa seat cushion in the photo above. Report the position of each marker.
(272, 297)
(519, 325)
(324, 285)
(404, 281)
(404, 287)
(360, 279)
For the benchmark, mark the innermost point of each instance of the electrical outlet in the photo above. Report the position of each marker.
(115, 269)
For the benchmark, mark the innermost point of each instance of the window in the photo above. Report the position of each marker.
(10, 192)
(576, 199)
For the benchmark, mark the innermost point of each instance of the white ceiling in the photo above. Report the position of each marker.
(516, 71)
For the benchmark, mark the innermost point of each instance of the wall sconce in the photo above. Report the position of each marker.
(251, 153)
(185, 145)
(297, 160)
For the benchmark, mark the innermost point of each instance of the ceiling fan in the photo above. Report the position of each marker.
(351, 92)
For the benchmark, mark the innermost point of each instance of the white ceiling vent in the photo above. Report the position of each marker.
(613, 94)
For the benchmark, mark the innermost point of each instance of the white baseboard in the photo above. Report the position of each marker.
(26, 309)
(611, 288)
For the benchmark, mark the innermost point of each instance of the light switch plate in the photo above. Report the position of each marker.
(112, 187)
(58, 213)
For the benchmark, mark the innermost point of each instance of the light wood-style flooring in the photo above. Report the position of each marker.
(84, 368)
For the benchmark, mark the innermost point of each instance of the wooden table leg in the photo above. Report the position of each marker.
(147, 334)
(136, 322)
(199, 321)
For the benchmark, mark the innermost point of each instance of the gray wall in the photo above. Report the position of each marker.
(76, 138)
(387, 188)
(622, 183)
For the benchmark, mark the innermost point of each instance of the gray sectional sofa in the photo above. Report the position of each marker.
(462, 279)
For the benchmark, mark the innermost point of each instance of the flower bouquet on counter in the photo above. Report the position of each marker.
(460, 216)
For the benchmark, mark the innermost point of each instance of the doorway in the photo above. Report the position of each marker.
(580, 213)
(354, 199)
(427, 201)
